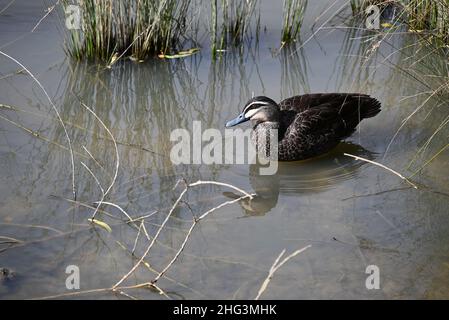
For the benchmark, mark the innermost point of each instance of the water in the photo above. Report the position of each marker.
(352, 213)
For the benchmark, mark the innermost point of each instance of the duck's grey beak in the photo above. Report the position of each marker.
(240, 119)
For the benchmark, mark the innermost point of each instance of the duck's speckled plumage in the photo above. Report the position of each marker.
(312, 124)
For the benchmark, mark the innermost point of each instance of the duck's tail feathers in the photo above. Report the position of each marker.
(355, 109)
(369, 107)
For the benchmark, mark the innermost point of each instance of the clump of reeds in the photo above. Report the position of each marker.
(135, 28)
(231, 21)
(431, 16)
(428, 25)
(356, 6)
(292, 19)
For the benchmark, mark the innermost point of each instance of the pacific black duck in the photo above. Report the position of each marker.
(308, 125)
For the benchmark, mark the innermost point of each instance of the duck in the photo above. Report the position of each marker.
(307, 125)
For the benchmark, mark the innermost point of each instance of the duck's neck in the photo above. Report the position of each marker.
(266, 125)
(262, 137)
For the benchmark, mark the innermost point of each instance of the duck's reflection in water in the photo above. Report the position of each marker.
(301, 177)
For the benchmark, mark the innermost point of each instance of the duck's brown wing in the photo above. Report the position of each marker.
(333, 100)
(312, 132)
(316, 123)
(345, 108)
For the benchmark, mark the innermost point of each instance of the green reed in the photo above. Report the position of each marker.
(293, 15)
(231, 22)
(135, 28)
(427, 23)
(430, 16)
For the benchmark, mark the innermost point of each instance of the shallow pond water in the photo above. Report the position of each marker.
(353, 214)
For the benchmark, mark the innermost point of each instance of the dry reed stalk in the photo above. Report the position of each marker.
(99, 185)
(178, 200)
(31, 226)
(39, 135)
(195, 222)
(404, 122)
(384, 167)
(276, 265)
(147, 251)
(72, 158)
(117, 157)
(118, 207)
(93, 158)
(49, 10)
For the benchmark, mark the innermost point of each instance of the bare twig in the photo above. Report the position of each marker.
(384, 167)
(430, 160)
(11, 74)
(195, 222)
(147, 251)
(404, 122)
(117, 158)
(137, 237)
(49, 10)
(178, 200)
(118, 290)
(101, 188)
(123, 293)
(71, 294)
(143, 217)
(80, 203)
(199, 182)
(93, 158)
(7, 6)
(30, 226)
(276, 265)
(4, 239)
(116, 206)
(151, 269)
(93, 175)
(161, 292)
(40, 136)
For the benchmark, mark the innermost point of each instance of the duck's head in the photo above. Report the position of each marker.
(259, 109)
